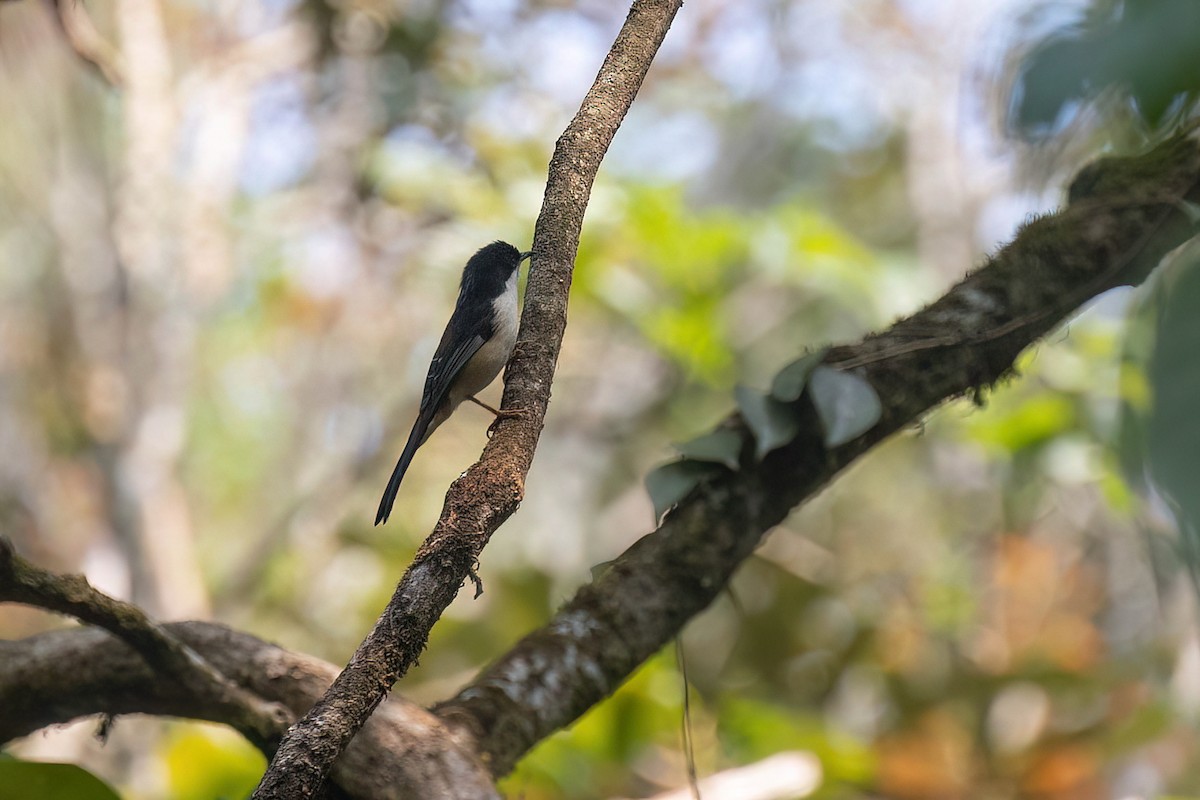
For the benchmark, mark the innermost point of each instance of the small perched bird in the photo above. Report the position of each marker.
(477, 343)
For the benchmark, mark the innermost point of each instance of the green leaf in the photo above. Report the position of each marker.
(1141, 51)
(722, 446)
(790, 382)
(846, 404)
(1173, 426)
(774, 423)
(672, 482)
(34, 780)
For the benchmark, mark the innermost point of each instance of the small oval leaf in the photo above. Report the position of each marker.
(774, 423)
(847, 405)
(670, 483)
(722, 446)
(790, 382)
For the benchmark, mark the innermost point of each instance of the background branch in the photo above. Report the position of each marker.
(490, 491)
(22, 582)
(56, 677)
(1124, 216)
(83, 38)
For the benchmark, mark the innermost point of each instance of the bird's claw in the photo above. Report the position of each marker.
(501, 415)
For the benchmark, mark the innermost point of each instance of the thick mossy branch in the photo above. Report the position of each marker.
(1122, 219)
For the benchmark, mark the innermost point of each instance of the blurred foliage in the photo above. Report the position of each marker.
(1162, 436)
(1145, 50)
(207, 763)
(221, 287)
(1174, 431)
(30, 780)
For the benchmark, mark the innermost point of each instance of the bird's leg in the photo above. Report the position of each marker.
(501, 414)
(482, 404)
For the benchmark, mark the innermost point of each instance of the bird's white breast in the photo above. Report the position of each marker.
(486, 364)
(505, 307)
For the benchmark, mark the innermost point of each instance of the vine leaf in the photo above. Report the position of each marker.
(670, 483)
(722, 446)
(790, 382)
(774, 423)
(846, 403)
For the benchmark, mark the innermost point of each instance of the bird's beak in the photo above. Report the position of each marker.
(524, 256)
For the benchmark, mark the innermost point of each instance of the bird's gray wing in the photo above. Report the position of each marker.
(452, 355)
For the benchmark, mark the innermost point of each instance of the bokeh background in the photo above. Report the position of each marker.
(229, 242)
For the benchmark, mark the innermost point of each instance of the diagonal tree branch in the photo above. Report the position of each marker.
(259, 721)
(1124, 216)
(489, 492)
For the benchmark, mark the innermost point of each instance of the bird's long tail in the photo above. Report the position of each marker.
(415, 439)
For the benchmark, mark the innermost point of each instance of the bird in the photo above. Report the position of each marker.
(477, 343)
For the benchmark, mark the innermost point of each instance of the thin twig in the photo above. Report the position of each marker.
(685, 721)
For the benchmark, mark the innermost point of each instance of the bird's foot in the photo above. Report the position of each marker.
(503, 414)
(500, 413)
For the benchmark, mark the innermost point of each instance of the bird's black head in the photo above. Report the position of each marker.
(490, 268)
